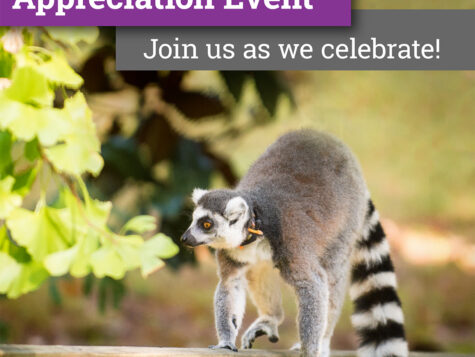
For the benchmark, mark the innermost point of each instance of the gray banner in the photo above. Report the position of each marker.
(377, 40)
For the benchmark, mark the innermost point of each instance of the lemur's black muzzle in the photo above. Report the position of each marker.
(189, 239)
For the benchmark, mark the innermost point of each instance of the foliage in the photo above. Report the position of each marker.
(49, 223)
(48, 139)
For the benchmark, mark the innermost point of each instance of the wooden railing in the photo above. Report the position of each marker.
(102, 351)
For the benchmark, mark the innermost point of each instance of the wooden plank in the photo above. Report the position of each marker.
(101, 351)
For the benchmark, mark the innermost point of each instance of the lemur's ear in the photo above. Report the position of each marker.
(235, 208)
(197, 194)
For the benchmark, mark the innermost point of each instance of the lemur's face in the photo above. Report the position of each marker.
(220, 229)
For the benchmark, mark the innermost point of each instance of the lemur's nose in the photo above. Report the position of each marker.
(186, 237)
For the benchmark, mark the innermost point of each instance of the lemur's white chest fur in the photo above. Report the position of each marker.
(252, 253)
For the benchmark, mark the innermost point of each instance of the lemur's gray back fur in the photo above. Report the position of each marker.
(312, 205)
(313, 186)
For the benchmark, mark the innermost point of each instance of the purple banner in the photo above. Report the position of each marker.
(175, 12)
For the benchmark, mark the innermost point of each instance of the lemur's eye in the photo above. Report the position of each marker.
(207, 225)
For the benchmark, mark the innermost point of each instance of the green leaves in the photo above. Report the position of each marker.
(32, 151)
(26, 106)
(6, 63)
(9, 271)
(114, 260)
(80, 262)
(60, 262)
(24, 180)
(38, 139)
(159, 246)
(117, 253)
(58, 71)
(79, 140)
(140, 225)
(131, 252)
(18, 273)
(27, 122)
(5, 153)
(29, 278)
(42, 232)
(30, 86)
(107, 262)
(65, 133)
(74, 35)
(8, 199)
(76, 240)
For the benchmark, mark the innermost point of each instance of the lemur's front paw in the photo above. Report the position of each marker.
(224, 345)
(259, 328)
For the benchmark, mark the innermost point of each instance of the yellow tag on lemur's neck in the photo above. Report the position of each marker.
(255, 231)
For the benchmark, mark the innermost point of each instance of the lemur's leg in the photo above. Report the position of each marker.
(264, 289)
(337, 283)
(337, 296)
(310, 283)
(333, 314)
(229, 301)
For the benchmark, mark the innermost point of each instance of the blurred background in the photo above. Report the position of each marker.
(164, 133)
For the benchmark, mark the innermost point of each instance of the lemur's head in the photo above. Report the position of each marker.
(220, 219)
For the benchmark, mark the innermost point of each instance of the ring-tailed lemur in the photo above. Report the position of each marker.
(302, 210)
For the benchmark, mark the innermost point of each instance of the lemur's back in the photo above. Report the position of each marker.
(312, 178)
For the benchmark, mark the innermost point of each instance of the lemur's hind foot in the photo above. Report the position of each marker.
(262, 326)
(325, 348)
(224, 345)
(296, 347)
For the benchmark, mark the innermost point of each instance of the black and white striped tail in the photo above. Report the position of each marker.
(378, 317)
